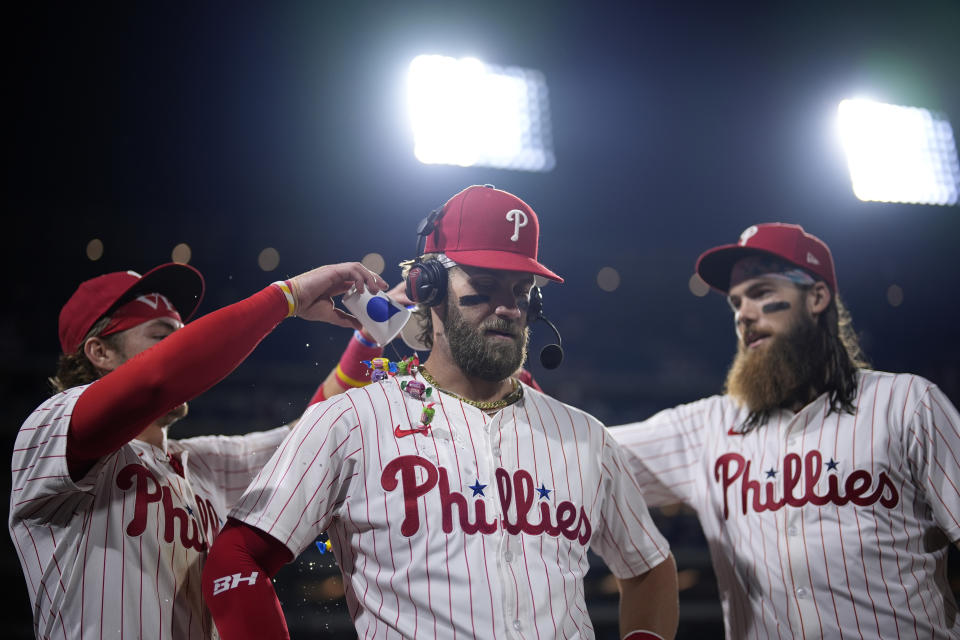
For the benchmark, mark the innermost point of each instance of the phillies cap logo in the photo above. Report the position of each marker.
(519, 219)
(153, 301)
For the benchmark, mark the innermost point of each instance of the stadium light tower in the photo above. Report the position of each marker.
(468, 113)
(899, 154)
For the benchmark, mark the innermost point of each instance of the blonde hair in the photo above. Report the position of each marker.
(75, 369)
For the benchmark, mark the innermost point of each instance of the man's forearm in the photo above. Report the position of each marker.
(237, 584)
(649, 602)
(117, 407)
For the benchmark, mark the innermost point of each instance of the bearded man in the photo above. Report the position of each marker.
(828, 492)
(466, 512)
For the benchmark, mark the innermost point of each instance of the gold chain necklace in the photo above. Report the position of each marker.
(489, 405)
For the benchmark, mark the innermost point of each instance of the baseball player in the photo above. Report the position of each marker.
(351, 372)
(465, 512)
(828, 492)
(112, 520)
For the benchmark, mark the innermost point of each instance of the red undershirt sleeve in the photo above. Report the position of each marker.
(237, 585)
(350, 372)
(527, 378)
(119, 406)
(318, 396)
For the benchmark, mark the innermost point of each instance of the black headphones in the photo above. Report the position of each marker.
(427, 279)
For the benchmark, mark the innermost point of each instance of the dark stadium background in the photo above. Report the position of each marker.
(232, 127)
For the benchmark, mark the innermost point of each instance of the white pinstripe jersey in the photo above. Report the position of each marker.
(478, 527)
(119, 553)
(819, 525)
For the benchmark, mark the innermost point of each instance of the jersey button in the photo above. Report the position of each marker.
(793, 531)
(801, 592)
(508, 557)
(516, 625)
(496, 451)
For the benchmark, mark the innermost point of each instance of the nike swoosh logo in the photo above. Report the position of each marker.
(731, 432)
(397, 431)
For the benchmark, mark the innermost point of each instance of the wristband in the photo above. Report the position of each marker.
(359, 337)
(642, 635)
(348, 382)
(287, 290)
(350, 371)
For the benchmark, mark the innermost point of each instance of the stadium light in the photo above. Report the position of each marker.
(468, 113)
(899, 154)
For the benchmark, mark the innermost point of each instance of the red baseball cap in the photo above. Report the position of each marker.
(485, 227)
(788, 242)
(95, 298)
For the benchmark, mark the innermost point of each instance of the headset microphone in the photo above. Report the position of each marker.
(551, 355)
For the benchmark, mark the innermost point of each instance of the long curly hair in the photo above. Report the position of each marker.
(845, 356)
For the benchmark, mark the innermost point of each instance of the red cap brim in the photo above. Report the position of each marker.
(503, 261)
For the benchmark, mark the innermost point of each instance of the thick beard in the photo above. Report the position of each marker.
(177, 413)
(789, 369)
(478, 357)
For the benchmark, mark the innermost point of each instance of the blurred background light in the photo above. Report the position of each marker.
(95, 249)
(374, 262)
(697, 286)
(899, 154)
(608, 279)
(468, 113)
(269, 259)
(181, 253)
(687, 579)
(895, 295)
